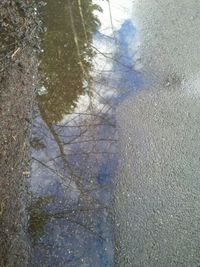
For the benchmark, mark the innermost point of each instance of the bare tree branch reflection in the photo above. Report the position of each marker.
(74, 136)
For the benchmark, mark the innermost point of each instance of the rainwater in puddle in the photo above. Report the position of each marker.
(88, 65)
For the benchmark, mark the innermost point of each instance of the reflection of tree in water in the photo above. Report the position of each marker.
(66, 52)
(81, 143)
(77, 150)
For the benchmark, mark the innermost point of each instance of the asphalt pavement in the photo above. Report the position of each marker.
(157, 196)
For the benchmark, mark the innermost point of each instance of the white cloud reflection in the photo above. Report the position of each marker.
(106, 74)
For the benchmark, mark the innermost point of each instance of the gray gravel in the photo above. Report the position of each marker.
(157, 200)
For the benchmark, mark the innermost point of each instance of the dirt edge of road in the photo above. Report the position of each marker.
(18, 77)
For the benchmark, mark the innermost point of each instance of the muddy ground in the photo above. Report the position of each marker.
(18, 47)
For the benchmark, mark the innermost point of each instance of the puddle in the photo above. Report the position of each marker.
(89, 64)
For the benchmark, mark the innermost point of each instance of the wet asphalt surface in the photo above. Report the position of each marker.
(157, 200)
(146, 52)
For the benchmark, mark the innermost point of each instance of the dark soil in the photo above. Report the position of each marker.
(18, 46)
